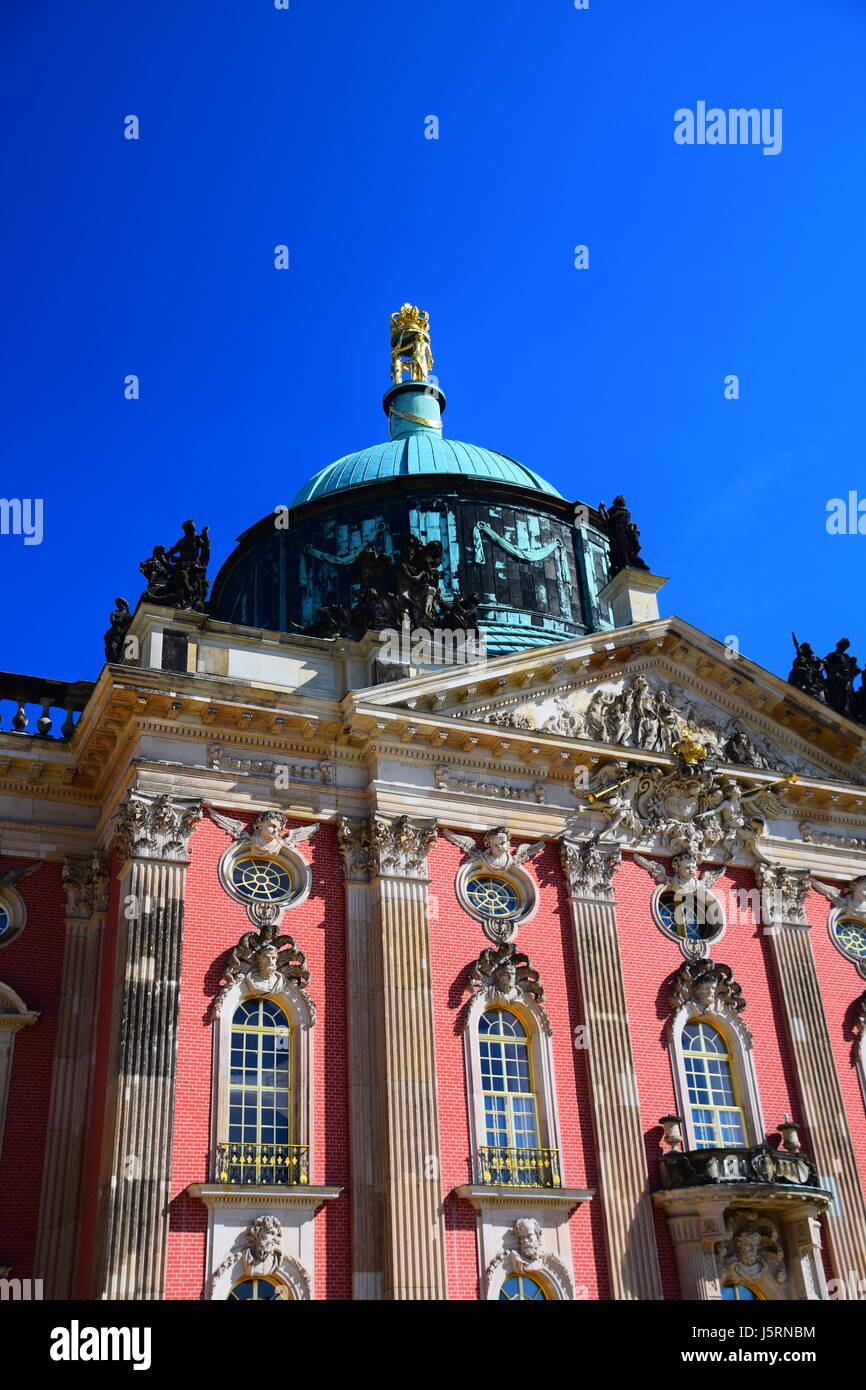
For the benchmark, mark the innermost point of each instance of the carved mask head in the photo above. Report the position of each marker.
(528, 1233)
(747, 1244)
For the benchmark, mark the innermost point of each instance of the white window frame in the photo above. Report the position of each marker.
(301, 1021)
(537, 1025)
(739, 1041)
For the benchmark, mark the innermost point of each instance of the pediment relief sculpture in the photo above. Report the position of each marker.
(649, 713)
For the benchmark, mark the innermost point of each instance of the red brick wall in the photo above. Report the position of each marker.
(649, 963)
(213, 923)
(456, 942)
(33, 966)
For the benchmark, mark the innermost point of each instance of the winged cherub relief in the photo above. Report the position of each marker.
(268, 833)
(496, 853)
(850, 901)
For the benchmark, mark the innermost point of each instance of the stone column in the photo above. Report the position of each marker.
(414, 1229)
(624, 1190)
(364, 989)
(152, 840)
(86, 885)
(783, 899)
(694, 1236)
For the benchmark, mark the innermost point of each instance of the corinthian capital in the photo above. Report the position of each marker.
(85, 882)
(783, 893)
(589, 867)
(354, 840)
(155, 827)
(399, 847)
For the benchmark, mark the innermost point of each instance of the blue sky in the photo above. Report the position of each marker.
(306, 127)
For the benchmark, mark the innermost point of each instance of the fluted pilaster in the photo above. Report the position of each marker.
(152, 838)
(414, 1231)
(365, 1099)
(624, 1190)
(86, 885)
(809, 1039)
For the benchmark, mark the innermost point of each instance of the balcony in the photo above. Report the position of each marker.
(711, 1167)
(263, 1165)
(519, 1167)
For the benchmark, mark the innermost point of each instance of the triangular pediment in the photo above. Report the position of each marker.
(642, 688)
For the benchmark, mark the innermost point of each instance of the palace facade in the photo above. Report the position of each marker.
(334, 967)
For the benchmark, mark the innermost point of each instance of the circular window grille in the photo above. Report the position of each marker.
(492, 897)
(850, 937)
(687, 916)
(261, 880)
(5, 923)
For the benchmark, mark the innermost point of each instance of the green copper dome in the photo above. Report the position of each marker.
(416, 448)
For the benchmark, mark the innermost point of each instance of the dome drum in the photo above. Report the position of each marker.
(536, 576)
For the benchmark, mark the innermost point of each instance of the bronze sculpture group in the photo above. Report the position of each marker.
(830, 678)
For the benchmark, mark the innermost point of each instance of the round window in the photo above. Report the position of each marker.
(261, 880)
(688, 916)
(5, 923)
(491, 896)
(850, 937)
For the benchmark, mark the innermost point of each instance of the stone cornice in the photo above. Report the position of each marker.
(253, 1195)
(481, 1195)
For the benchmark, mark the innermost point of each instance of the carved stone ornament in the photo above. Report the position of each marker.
(783, 893)
(850, 901)
(495, 853)
(399, 847)
(650, 714)
(221, 760)
(260, 1253)
(507, 791)
(85, 882)
(267, 964)
(155, 827)
(710, 987)
(682, 808)
(354, 840)
(813, 835)
(860, 1016)
(507, 976)
(589, 867)
(523, 1253)
(752, 1255)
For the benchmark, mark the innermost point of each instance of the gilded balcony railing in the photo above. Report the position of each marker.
(268, 1165)
(519, 1167)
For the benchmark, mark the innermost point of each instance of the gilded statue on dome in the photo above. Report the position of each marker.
(410, 344)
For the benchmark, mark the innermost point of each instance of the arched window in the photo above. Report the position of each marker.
(251, 1289)
(512, 1151)
(717, 1118)
(519, 1287)
(261, 1109)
